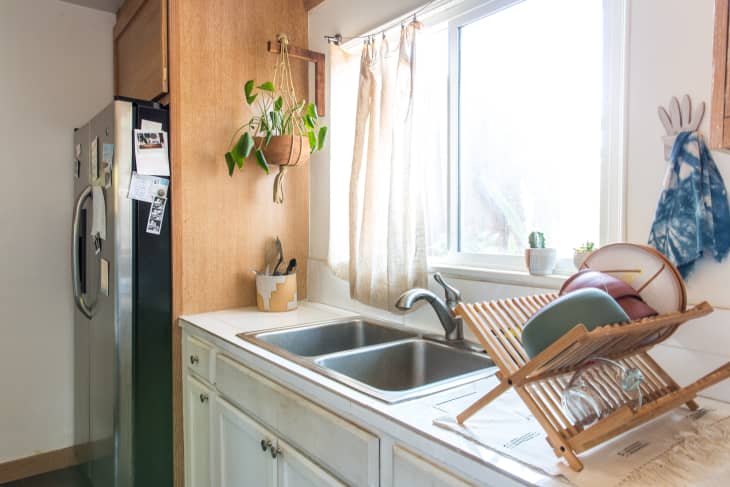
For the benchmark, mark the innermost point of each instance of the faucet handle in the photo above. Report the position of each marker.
(452, 295)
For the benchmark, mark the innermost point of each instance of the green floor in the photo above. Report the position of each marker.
(71, 477)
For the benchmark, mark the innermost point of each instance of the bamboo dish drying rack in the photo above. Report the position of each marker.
(540, 381)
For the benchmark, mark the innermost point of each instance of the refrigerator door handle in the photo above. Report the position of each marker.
(86, 308)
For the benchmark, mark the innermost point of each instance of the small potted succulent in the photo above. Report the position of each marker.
(539, 259)
(282, 131)
(581, 253)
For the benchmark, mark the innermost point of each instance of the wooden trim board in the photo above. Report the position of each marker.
(43, 463)
(220, 223)
(310, 4)
(176, 176)
(719, 77)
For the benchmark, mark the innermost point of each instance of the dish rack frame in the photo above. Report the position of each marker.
(540, 381)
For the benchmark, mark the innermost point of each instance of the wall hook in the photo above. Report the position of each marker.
(679, 118)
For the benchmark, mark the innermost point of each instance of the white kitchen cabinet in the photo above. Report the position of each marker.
(242, 456)
(230, 407)
(197, 432)
(249, 454)
(295, 470)
(340, 446)
(412, 469)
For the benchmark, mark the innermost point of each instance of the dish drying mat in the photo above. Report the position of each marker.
(680, 448)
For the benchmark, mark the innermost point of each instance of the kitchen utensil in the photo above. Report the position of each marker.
(280, 253)
(271, 256)
(291, 267)
(591, 307)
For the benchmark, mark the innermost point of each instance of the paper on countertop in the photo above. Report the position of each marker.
(149, 126)
(150, 150)
(147, 188)
(508, 427)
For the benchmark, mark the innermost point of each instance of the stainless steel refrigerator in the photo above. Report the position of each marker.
(123, 319)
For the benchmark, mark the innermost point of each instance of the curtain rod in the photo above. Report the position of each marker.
(338, 39)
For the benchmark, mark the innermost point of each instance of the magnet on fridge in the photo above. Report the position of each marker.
(94, 160)
(104, 277)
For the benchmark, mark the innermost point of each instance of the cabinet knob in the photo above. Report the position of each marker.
(275, 452)
(266, 444)
(194, 359)
(203, 397)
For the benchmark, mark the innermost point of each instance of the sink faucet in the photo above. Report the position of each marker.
(453, 325)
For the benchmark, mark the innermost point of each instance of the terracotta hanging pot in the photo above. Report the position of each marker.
(284, 151)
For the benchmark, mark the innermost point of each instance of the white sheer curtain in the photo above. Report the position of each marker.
(386, 250)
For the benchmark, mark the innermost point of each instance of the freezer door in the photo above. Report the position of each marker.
(102, 330)
(81, 322)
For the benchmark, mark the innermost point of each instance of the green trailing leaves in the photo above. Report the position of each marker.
(243, 148)
(248, 91)
(321, 138)
(312, 112)
(261, 160)
(272, 117)
(312, 141)
(231, 163)
(268, 86)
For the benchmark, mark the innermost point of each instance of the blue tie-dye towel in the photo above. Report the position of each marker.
(693, 214)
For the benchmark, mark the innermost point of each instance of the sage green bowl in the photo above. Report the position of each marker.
(591, 307)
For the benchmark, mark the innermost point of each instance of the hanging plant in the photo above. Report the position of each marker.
(282, 131)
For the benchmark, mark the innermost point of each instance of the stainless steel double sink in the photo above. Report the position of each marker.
(387, 363)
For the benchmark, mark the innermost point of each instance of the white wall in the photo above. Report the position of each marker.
(670, 54)
(56, 73)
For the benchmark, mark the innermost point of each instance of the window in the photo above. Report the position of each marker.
(525, 104)
(534, 129)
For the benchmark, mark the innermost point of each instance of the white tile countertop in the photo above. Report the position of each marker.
(410, 422)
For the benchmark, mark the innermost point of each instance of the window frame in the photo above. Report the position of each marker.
(612, 200)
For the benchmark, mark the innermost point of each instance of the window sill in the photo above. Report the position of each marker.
(512, 277)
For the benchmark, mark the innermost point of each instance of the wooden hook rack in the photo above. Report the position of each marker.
(319, 74)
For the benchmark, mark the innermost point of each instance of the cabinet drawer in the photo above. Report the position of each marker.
(198, 357)
(412, 469)
(341, 447)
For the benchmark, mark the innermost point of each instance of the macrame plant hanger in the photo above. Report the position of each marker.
(284, 83)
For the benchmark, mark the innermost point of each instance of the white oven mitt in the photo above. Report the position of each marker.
(98, 220)
(679, 119)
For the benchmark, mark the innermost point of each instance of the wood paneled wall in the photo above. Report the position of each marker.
(220, 224)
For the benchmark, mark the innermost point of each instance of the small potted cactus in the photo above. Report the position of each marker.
(581, 253)
(539, 259)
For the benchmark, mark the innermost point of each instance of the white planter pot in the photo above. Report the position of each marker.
(541, 262)
(580, 257)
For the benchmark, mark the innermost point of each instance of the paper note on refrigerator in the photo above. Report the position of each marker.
(156, 216)
(147, 188)
(150, 151)
(148, 126)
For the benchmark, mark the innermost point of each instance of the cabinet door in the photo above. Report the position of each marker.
(197, 433)
(412, 469)
(294, 470)
(140, 49)
(239, 458)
